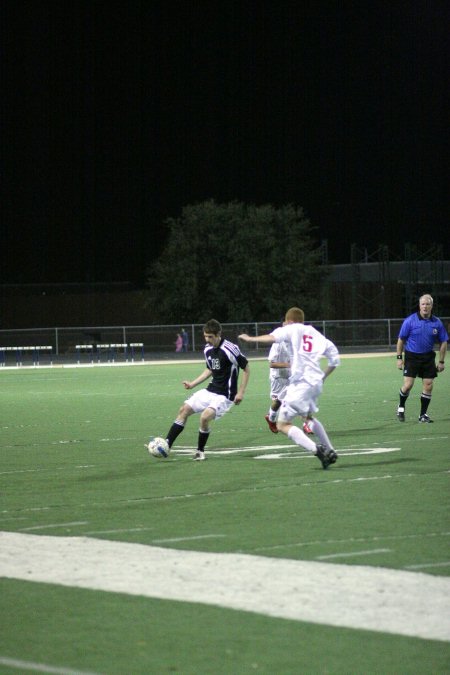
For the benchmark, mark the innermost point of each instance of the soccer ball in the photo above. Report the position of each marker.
(158, 447)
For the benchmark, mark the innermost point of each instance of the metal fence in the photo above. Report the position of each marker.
(96, 344)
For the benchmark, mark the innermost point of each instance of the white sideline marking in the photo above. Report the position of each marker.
(352, 596)
(352, 553)
(41, 667)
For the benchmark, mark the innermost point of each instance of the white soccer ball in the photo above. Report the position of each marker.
(158, 447)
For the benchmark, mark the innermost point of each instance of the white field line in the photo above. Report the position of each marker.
(53, 525)
(353, 540)
(341, 453)
(446, 563)
(120, 531)
(373, 551)
(290, 451)
(214, 493)
(40, 667)
(370, 598)
(192, 538)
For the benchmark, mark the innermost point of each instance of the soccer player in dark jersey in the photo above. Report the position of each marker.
(223, 362)
(418, 335)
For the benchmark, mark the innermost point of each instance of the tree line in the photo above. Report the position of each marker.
(236, 262)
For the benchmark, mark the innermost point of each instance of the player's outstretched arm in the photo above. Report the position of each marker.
(265, 339)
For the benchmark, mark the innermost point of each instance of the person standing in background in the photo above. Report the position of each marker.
(185, 339)
(419, 333)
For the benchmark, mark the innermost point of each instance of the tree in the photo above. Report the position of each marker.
(235, 262)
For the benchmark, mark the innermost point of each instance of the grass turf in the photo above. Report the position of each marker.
(74, 463)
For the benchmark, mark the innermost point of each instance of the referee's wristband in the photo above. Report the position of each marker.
(399, 357)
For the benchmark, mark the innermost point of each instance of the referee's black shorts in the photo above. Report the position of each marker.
(420, 365)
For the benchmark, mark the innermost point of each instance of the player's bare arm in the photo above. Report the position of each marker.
(201, 378)
(265, 339)
(328, 370)
(244, 381)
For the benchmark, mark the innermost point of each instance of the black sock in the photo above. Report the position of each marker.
(424, 403)
(174, 431)
(403, 398)
(202, 440)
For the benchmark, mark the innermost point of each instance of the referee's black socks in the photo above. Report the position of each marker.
(424, 403)
(403, 398)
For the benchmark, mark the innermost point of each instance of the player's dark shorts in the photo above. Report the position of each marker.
(420, 365)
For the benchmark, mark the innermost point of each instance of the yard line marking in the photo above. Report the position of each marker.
(341, 453)
(419, 567)
(198, 495)
(56, 468)
(200, 536)
(41, 667)
(378, 599)
(351, 540)
(45, 527)
(352, 553)
(131, 529)
(303, 454)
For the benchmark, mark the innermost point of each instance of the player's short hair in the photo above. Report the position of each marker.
(426, 295)
(295, 314)
(212, 326)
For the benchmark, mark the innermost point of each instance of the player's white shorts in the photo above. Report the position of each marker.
(203, 399)
(278, 386)
(300, 399)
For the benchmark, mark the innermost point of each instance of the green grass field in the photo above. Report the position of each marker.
(73, 464)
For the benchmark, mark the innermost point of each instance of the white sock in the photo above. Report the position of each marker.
(273, 414)
(318, 428)
(300, 438)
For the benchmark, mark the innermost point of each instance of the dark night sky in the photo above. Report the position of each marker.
(116, 114)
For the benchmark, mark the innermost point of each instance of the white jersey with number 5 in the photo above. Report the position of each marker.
(308, 347)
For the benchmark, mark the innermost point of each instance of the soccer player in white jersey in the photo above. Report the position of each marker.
(280, 371)
(223, 359)
(307, 347)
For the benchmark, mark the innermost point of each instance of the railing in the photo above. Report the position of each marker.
(97, 344)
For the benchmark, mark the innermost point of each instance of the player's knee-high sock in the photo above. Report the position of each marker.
(202, 440)
(403, 398)
(317, 428)
(424, 403)
(174, 431)
(300, 438)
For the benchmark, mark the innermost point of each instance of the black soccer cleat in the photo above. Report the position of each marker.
(424, 419)
(326, 455)
(401, 414)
